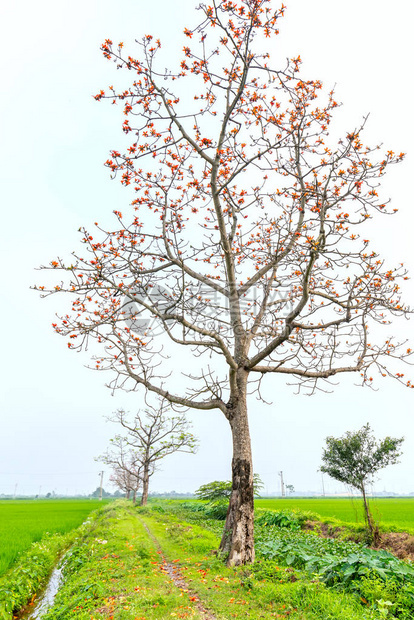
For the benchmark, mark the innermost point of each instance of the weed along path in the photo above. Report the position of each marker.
(174, 572)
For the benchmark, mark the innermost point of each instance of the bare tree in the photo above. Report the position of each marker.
(245, 252)
(153, 435)
(123, 480)
(125, 465)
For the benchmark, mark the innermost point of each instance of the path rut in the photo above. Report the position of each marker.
(174, 573)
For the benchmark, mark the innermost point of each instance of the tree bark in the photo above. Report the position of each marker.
(145, 486)
(134, 497)
(128, 493)
(368, 516)
(237, 542)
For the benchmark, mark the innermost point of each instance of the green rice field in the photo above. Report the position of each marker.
(24, 522)
(393, 513)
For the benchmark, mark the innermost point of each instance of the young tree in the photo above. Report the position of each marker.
(355, 458)
(152, 436)
(218, 493)
(242, 243)
(220, 489)
(125, 465)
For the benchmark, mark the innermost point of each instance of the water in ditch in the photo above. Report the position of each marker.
(46, 598)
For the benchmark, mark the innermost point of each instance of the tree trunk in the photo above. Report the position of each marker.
(134, 497)
(237, 542)
(128, 493)
(145, 486)
(368, 516)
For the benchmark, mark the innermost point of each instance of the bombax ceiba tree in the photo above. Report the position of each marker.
(125, 465)
(151, 436)
(245, 246)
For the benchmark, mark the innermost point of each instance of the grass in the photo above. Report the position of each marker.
(25, 522)
(22, 583)
(393, 514)
(26, 578)
(267, 591)
(118, 572)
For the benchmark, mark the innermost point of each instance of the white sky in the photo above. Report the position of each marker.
(54, 140)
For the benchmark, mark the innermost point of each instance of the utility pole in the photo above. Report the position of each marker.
(282, 484)
(100, 489)
(15, 491)
(323, 486)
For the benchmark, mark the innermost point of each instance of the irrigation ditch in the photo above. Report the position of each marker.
(40, 604)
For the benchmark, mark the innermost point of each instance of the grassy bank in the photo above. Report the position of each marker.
(117, 572)
(25, 522)
(160, 562)
(28, 575)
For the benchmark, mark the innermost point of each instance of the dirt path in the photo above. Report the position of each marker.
(174, 573)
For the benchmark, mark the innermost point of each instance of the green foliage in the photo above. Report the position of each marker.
(377, 591)
(282, 518)
(191, 506)
(372, 575)
(356, 457)
(220, 489)
(30, 573)
(217, 494)
(20, 583)
(217, 510)
(76, 558)
(213, 491)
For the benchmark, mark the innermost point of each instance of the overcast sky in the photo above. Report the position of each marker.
(54, 140)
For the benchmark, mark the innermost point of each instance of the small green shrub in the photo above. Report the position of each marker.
(376, 591)
(217, 510)
(193, 506)
(281, 518)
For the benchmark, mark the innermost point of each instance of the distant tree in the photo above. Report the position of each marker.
(355, 458)
(126, 483)
(125, 465)
(290, 488)
(97, 493)
(152, 435)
